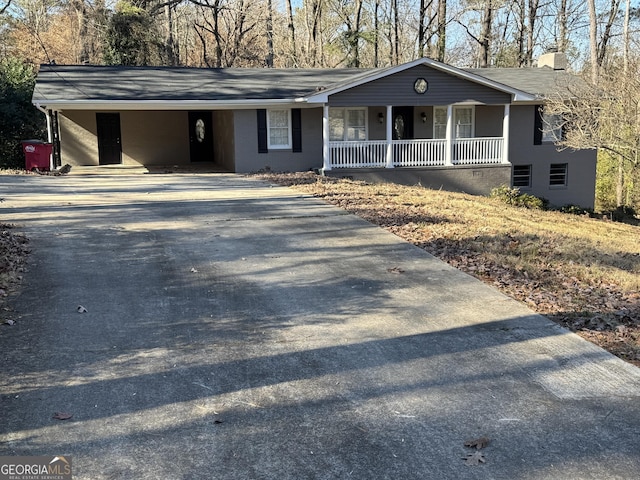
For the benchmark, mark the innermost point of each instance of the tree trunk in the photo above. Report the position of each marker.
(356, 34)
(620, 182)
(606, 35)
(421, 27)
(376, 33)
(442, 29)
(314, 38)
(5, 6)
(562, 41)
(83, 35)
(216, 33)
(396, 39)
(270, 53)
(292, 37)
(533, 15)
(593, 40)
(625, 39)
(170, 46)
(485, 34)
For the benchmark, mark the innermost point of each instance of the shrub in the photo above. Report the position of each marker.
(19, 119)
(512, 196)
(576, 210)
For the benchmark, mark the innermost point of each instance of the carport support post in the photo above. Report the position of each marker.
(505, 134)
(326, 152)
(389, 155)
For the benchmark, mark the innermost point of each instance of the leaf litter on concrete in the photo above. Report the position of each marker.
(580, 272)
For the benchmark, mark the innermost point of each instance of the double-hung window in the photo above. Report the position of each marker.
(463, 122)
(347, 124)
(279, 129)
(551, 128)
(548, 127)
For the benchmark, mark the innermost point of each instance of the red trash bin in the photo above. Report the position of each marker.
(37, 154)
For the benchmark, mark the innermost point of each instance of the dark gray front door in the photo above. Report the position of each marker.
(200, 137)
(109, 141)
(402, 123)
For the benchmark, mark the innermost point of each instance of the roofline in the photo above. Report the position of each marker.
(164, 104)
(517, 95)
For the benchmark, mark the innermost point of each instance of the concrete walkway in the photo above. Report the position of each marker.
(236, 330)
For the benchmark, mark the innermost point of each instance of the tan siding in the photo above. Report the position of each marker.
(78, 140)
(154, 138)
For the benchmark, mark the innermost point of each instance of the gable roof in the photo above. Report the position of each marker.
(182, 88)
(536, 81)
(376, 74)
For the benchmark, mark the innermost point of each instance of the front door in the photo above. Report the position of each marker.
(402, 123)
(200, 137)
(109, 141)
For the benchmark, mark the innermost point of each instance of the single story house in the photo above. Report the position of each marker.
(421, 122)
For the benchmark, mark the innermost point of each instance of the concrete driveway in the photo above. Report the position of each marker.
(237, 330)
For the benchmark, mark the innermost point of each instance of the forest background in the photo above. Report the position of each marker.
(599, 37)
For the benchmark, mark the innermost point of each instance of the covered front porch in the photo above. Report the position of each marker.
(458, 146)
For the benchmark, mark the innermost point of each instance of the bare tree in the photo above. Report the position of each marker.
(602, 115)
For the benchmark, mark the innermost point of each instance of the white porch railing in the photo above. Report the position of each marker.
(478, 151)
(358, 154)
(417, 153)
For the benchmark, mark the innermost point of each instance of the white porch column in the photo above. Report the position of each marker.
(448, 149)
(505, 134)
(326, 152)
(389, 157)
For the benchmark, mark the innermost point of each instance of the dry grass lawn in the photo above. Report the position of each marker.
(581, 272)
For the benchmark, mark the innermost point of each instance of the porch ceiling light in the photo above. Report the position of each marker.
(380, 117)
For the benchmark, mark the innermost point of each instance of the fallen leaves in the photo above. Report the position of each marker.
(477, 457)
(477, 443)
(14, 248)
(62, 416)
(395, 270)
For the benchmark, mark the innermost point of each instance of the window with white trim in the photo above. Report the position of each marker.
(463, 122)
(279, 129)
(347, 124)
(439, 122)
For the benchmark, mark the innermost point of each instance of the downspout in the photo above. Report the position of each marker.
(46, 114)
(49, 132)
